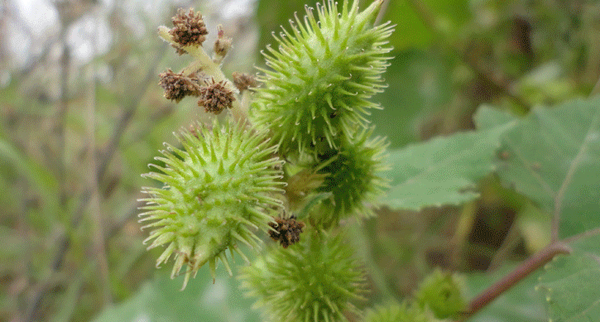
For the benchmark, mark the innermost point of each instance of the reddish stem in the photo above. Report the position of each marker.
(529, 266)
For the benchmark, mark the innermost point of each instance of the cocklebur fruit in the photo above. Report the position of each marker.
(441, 292)
(218, 189)
(321, 78)
(395, 312)
(353, 176)
(312, 280)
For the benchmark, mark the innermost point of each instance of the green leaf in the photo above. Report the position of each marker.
(443, 171)
(571, 283)
(424, 80)
(447, 17)
(162, 300)
(521, 303)
(488, 117)
(553, 157)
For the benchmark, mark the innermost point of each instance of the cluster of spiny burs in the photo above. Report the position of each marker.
(293, 160)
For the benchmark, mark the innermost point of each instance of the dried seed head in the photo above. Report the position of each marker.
(286, 230)
(244, 81)
(189, 29)
(177, 86)
(215, 97)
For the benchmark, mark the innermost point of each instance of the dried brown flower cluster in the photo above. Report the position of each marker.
(215, 97)
(189, 29)
(286, 230)
(244, 81)
(177, 86)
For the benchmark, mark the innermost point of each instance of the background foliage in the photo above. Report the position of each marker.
(76, 135)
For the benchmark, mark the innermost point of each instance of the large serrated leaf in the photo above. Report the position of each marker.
(553, 157)
(571, 283)
(443, 171)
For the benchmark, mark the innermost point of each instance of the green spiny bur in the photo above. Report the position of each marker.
(218, 189)
(441, 292)
(395, 312)
(353, 178)
(313, 280)
(321, 78)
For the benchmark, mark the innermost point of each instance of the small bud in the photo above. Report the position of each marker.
(215, 97)
(177, 86)
(222, 44)
(286, 230)
(243, 81)
(189, 29)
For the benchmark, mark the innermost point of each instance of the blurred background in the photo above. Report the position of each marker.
(81, 116)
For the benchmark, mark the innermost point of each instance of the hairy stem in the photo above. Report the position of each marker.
(525, 269)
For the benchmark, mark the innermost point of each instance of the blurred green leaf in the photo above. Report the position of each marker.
(445, 16)
(488, 117)
(69, 300)
(519, 304)
(553, 157)
(162, 300)
(443, 171)
(419, 83)
(571, 283)
(271, 15)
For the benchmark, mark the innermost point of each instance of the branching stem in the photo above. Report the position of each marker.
(209, 67)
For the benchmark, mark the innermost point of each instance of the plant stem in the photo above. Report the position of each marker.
(529, 266)
(61, 122)
(98, 240)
